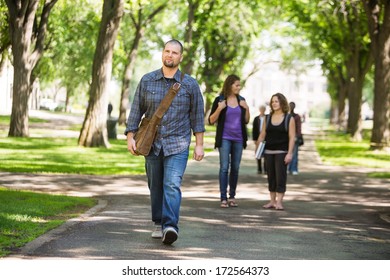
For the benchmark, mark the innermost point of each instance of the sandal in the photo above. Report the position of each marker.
(224, 204)
(232, 203)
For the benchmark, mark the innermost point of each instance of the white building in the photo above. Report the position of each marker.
(6, 90)
(306, 90)
(6, 84)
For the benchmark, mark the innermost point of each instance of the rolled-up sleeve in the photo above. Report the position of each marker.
(136, 111)
(197, 109)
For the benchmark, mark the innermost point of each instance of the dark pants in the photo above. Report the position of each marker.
(277, 172)
(260, 165)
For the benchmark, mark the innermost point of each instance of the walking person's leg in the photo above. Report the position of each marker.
(293, 166)
(236, 155)
(174, 168)
(259, 167)
(281, 180)
(224, 163)
(155, 174)
(271, 178)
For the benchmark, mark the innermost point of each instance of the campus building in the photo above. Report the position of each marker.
(308, 90)
(6, 82)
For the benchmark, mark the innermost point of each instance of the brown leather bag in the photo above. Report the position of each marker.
(147, 129)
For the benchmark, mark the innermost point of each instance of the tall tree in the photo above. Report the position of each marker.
(28, 28)
(226, 42)
(197, 13)
(378, 13)
(94, 130)
(338, 34)
(141, 14)
(67, 60)
(5, 42)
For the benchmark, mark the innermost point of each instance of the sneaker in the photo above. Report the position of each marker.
(295, 173)
(157, 233)
(169, 235)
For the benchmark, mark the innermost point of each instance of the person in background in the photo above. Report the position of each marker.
(279, 134)
(231, 113)
(258, 123)
(167, 161)
(293, 166)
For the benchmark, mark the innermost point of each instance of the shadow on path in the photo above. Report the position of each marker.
(331, 213)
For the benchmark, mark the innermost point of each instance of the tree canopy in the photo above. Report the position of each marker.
(59, 42)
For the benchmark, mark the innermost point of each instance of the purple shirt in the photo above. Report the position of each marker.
(232, 128)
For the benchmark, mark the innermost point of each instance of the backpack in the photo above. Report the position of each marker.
(286, 123)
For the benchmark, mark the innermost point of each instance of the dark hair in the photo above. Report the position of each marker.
(283, 103)
(174, 41)
(292, 107)
(227, 84)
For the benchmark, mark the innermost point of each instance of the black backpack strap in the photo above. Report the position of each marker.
(286, 123)
(267, 120)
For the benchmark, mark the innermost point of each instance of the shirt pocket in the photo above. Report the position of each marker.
(182, 98)
(151, 97)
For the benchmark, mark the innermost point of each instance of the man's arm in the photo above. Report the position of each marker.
(199, 150)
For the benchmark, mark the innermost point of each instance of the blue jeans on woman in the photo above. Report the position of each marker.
(165, 174)
(293, 166)
(230, 153)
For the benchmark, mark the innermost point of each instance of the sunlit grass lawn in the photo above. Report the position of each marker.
(336, 148)
(64, 155)
(26, 215)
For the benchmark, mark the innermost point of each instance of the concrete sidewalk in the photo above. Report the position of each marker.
(331, 213)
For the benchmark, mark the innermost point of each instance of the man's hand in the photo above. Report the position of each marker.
(131, 144)
(198, 153)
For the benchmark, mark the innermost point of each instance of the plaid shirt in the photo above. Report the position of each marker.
(185, 113)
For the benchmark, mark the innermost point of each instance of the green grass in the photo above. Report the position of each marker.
(336, 148)
(64, 155)
(26, 215)
(4, 120)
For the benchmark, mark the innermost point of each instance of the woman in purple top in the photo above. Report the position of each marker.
(231, 113)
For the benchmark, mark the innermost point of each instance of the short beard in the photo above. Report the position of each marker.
(170, 65)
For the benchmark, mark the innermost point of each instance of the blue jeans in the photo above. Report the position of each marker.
(230, 153)
(165, 174)
(293, 166)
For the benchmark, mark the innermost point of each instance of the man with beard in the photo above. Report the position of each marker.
(166, 163)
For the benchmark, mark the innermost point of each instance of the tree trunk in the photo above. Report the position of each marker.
(21, 83)
(354, 127)
(21, 89)
(27, 49)
(140, 21)
(189, 60)
(94, 130)
(355, 94)
(342, 95)
(380, 138)
(125, 92)
(378, 15)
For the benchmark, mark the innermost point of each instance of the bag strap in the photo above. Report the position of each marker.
(168, 98)
(287, 122)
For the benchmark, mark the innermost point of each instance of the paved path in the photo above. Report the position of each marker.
(331, 213)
